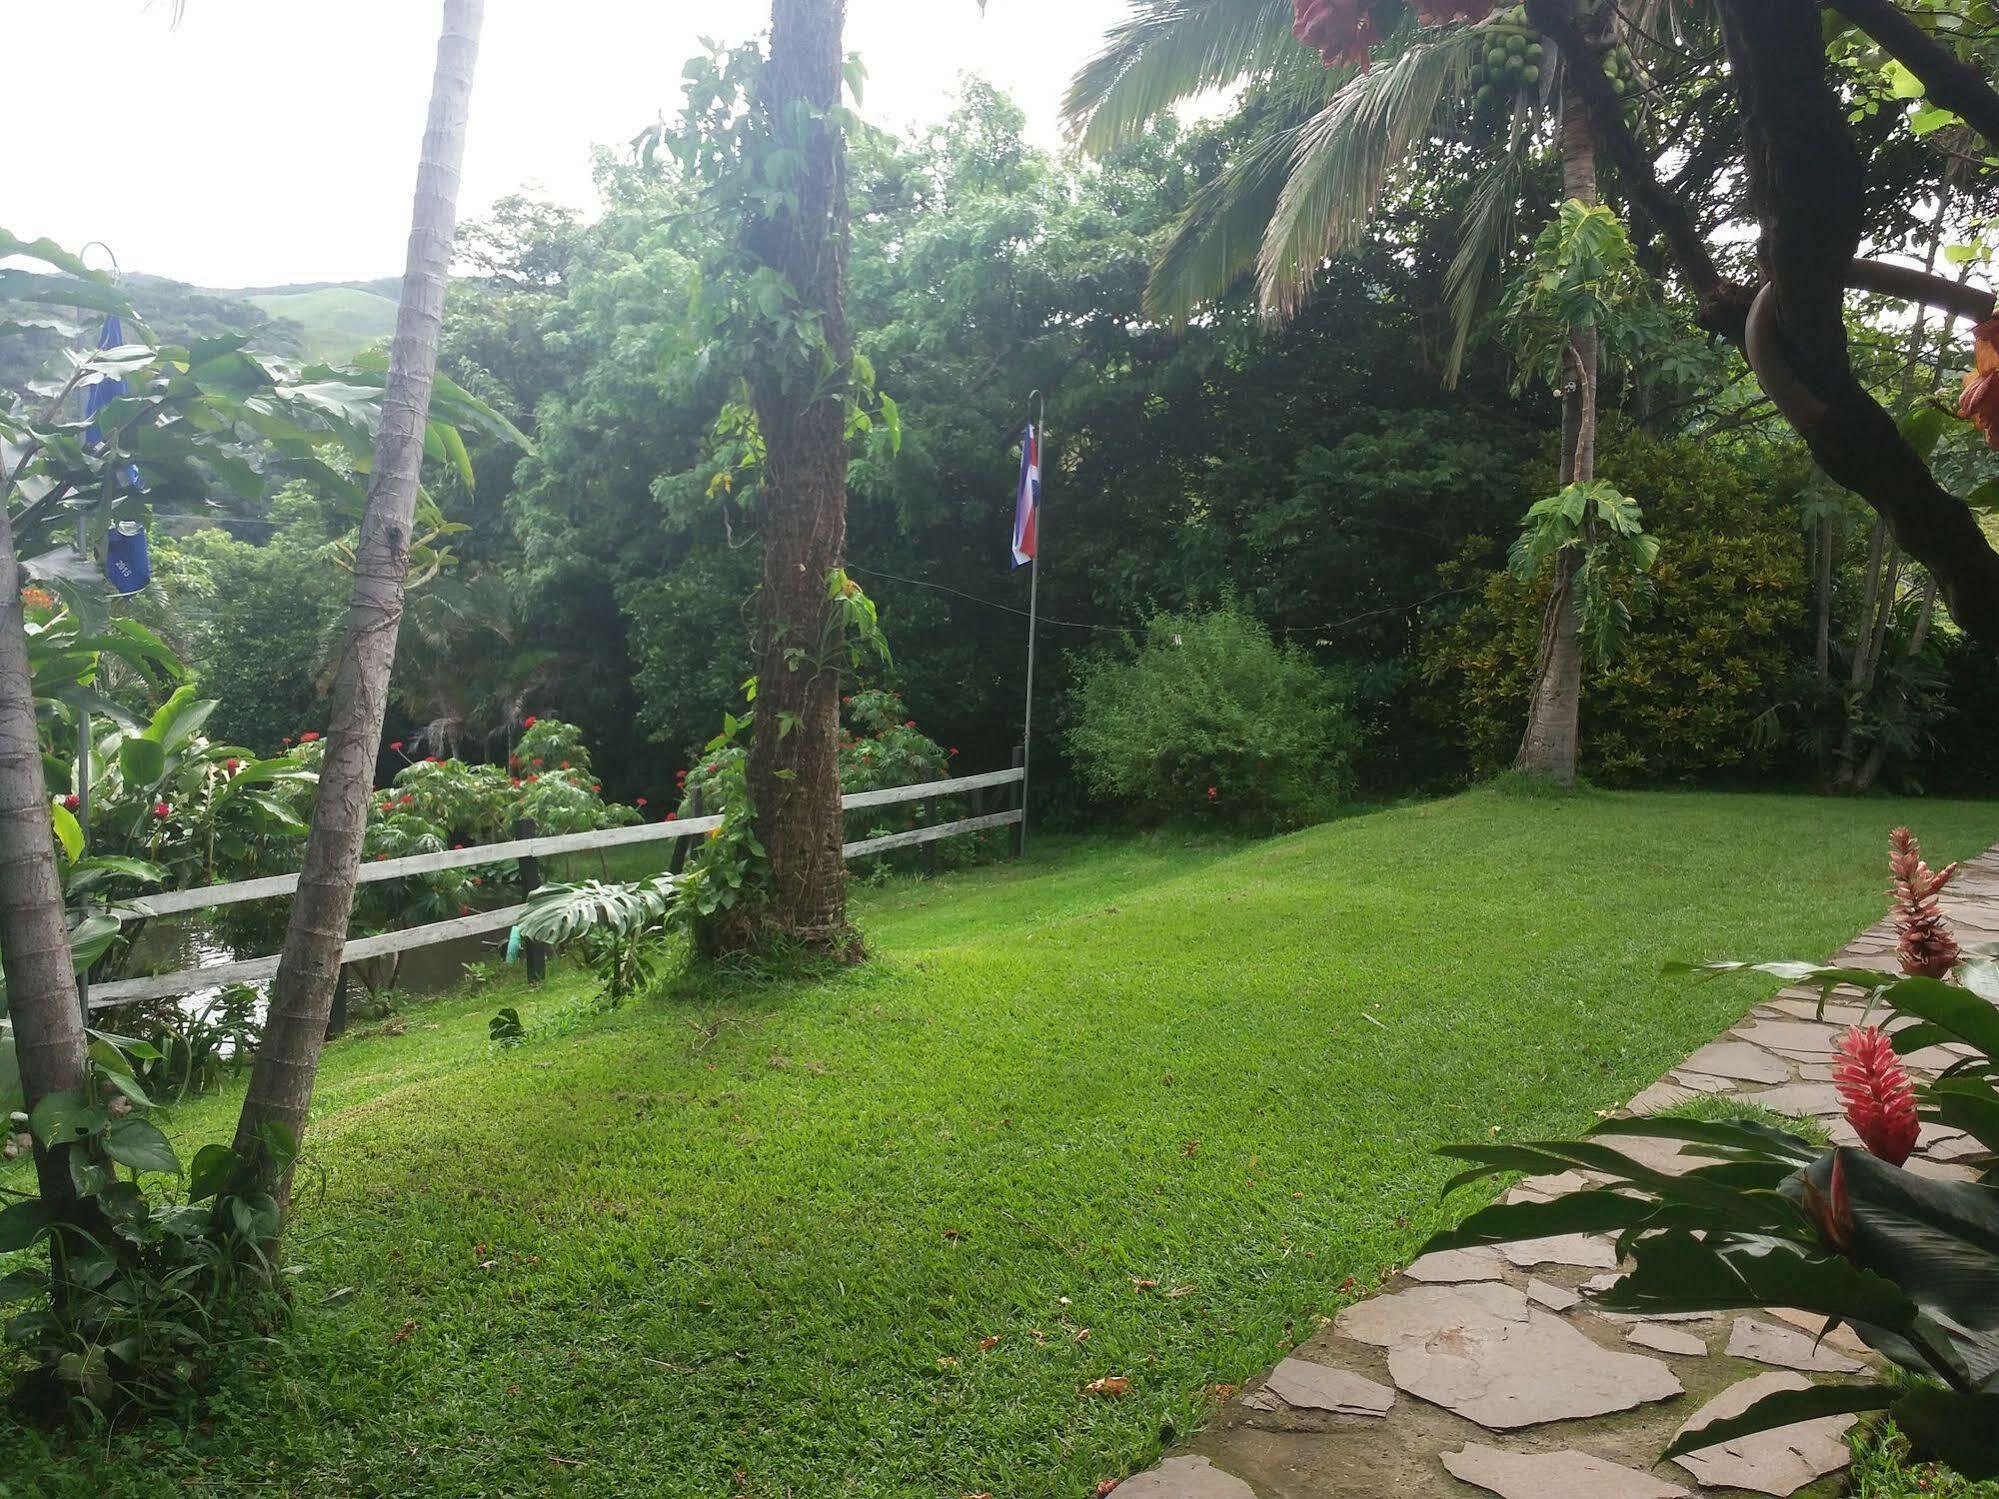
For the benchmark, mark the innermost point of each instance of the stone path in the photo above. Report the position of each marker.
(1482, 1372)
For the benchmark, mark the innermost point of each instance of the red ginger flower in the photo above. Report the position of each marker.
(1880, 1100)
(308, 736)
(529, 722)
(1926, 947)
(72, 802)
(162, 811)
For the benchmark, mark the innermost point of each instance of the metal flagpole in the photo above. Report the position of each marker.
(1040, 440)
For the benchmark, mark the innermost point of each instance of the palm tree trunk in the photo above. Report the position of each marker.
(34, 936)
(794, 771)
(309, 969)
(1552, 744)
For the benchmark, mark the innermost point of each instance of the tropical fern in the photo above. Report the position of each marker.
(1166, 51)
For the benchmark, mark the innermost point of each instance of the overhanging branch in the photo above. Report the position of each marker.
(1948, 81)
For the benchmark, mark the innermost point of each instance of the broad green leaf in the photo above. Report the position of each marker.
(139, 1144)
(142, 762)
(1785, 1408)
(23, 1223)
(69, 832)
(63, 1118)
(213, 1166)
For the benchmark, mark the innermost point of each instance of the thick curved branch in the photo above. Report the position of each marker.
(1909, 284)
(1723, 305)
(1948, 81)
(1806, 177)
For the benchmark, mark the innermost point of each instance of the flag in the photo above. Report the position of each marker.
(1027, 503)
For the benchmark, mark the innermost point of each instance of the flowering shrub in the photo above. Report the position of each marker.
(1216, 722)
(1909, 1261)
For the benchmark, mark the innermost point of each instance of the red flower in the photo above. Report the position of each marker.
(232, 765)
(72, 802)
(286, 741)
(909, 723)
(1880, 1100)
(953, 753)
(457, 845)
(529, 722)
(162, 811)
(407, 800)
(1832, 1212)
(671, 817)
(565, 764)
(641, 801)
(1213, 794)
(1980, 401)
(599, 790)
(430, 759)
(308, 736)
(1926, 946)
(1339, 30)
(397, 746)
(535, 763)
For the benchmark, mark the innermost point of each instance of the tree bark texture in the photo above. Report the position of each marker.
(309, 969)
(34, 936)
(794, 770)
(1552, 744)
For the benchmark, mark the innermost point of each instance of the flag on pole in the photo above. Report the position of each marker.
(1027, 503)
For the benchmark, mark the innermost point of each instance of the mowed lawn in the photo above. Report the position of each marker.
(1146, 1108)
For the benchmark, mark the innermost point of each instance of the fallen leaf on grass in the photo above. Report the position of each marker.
(1110, 1384)
(1223, 1391)
(1190, 1149)
(1144, 1285)
(1178, 1291)
(947, 1362)
(402, 1334)
(986, 1345)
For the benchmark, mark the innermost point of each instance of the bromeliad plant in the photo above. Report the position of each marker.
(1909, 1261)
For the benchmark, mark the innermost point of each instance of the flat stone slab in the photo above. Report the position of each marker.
(1807, 1009)
(1546, 1188)
(1584, 1251)
(1554, 1298)
(1553, 1475)
(1662, 1339)
(1786, 1347)
(1658, 1098)
(1841, 1337)
(1803, 1039)
(1737, 1059)
(1776, 1462)
(1448, 1266)
(1800, 1100)
(1415, 1314)
(1506, 1375)
(1669, 1157)
(1185, 1478)
(1701, 1082)
(1305, 1385)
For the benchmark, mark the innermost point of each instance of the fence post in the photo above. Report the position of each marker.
(928, 858)
(537, 953)
(1018, 801)
(690, 808)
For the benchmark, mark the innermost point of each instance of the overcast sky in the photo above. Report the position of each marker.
(266, 141)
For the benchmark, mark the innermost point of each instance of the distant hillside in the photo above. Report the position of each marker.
(334, 322)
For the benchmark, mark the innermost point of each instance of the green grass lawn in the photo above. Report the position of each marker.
(1147, 1108)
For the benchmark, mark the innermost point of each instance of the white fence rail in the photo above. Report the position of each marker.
(481, 923)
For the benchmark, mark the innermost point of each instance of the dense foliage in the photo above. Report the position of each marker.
(1213, 720)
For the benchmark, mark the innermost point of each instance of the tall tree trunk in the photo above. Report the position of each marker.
(1552, 743)
(1822, 645)
(302, 994)
(794, 770)
(34, 937)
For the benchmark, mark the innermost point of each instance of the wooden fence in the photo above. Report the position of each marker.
(523, 851)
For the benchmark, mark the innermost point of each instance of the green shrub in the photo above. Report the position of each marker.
(1213, 720)
(1708, 653)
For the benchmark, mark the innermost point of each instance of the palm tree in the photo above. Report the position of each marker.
(1324, 143)
(274, 1111)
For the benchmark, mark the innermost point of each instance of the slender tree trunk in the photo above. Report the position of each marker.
(34, 936)
(1822, 646)
(1552, 744)
(1876, 601)
(794, 771)
(302, 994)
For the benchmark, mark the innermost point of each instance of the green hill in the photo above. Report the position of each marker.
(335, 322)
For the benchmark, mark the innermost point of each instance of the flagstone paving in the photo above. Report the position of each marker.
(1519, 1386)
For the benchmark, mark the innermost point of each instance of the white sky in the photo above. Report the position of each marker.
(267, 141)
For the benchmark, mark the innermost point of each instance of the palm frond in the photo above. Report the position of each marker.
(1215, 239)
(1345, 154)
(1168, 50)
(1484, 233)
